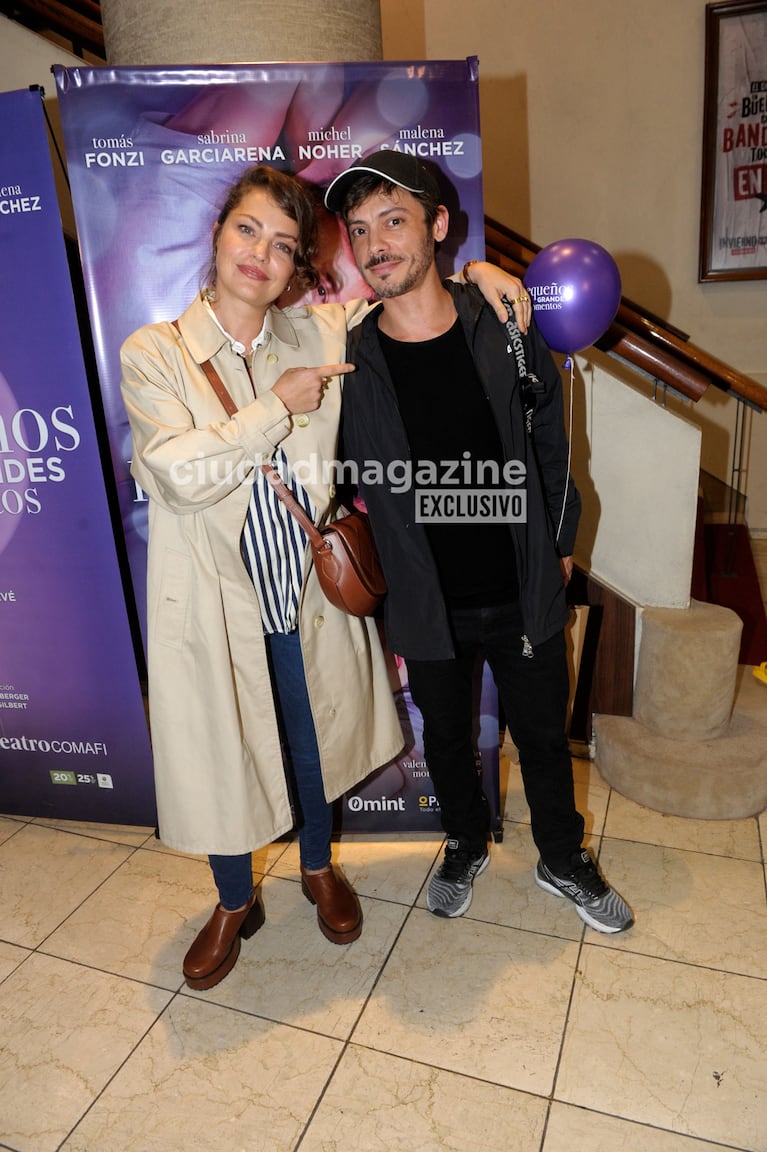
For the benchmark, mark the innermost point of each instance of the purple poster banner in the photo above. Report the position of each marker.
(400, 795)
(151, 153)
(73, 735)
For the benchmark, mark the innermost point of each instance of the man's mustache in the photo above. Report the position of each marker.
(374, 260)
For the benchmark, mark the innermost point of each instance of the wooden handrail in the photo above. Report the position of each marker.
(641, 338)
(79, 21)
(626, 343)
(510, 243)
(654, 360)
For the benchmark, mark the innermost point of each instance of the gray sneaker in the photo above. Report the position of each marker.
(450, 889)
(595, 901)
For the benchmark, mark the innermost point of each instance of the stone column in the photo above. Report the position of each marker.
(144, 32)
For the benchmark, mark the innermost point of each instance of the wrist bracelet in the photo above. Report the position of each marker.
(466, 268)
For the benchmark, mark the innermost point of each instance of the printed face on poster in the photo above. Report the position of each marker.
(733, 240)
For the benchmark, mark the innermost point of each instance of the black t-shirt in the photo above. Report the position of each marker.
(457, 457)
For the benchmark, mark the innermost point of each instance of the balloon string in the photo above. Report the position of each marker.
(567, 364)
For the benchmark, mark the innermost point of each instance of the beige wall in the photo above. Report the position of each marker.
(26, 59)
(639, 492)
(592, 127)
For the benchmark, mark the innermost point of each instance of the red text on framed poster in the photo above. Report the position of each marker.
(733, 236)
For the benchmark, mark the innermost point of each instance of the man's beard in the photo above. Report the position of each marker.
(423, 261)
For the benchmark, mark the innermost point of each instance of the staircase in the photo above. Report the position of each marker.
(664, 695)
(725, 567)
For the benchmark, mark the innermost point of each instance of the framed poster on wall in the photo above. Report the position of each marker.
(733, 231)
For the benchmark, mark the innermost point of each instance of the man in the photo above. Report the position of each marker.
(437, 392)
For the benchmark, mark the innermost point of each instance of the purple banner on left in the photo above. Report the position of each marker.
(73, 734)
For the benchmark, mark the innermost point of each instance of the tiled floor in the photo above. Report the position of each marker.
(514, 1029)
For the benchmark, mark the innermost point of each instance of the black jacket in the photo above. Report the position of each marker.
(373, 435)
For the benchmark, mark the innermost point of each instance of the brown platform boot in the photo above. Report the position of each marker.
(338, 910)
(216, 947)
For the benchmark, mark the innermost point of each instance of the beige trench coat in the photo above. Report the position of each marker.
(219, 773)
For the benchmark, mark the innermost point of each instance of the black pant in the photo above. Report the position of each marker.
(533, 691)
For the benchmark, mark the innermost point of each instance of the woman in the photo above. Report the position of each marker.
(245, 654)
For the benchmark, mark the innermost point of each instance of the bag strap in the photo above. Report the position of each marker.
(215, 381)
(271, 473)
(292, 505)
(530, 386)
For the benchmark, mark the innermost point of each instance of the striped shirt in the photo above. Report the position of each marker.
(274, 547)
(273, 543)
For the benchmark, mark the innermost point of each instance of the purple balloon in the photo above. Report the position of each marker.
(575, 288)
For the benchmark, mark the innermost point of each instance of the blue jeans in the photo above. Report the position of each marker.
(314, 816)
(533, 692)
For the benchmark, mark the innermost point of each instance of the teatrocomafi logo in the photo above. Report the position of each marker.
(385, 804)
(57, 747)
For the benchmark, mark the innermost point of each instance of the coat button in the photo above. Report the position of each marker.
(319, 621)
(331, 712)
(302, 420)
(331, 490)
(272, 358)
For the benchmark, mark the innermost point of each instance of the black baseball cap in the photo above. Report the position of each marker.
(398, 168)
